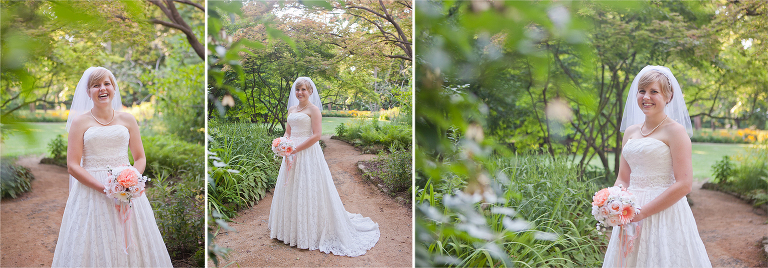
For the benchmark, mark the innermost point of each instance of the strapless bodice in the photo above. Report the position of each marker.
(103, 146)
(301, 125)
(650, 162)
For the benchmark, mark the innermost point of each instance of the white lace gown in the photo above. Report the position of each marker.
(307, 212)
(669, 238)
(91, 234)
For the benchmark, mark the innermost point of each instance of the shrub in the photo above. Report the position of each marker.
(722, 170)
(14, 179)
(242, 166)
(58, 147)
(341, 130)
(168, 152)
(396, 171)
(178, 209)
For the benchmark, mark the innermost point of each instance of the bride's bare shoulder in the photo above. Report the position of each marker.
(632, 129)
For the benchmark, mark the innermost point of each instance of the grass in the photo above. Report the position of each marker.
(330, 123)
(17, 144)
(704, 156)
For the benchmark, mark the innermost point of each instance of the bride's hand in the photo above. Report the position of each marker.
(640, 216)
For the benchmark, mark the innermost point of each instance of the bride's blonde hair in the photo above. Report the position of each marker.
(306, 83)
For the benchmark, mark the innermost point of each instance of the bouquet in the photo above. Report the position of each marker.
(284, 146)
(125, 183)
(614, 206)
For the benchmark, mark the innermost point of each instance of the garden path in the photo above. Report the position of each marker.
(731, 231)
(31, 221)
(252, 246)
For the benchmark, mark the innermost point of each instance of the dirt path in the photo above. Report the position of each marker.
(252, 246)
(30, 222)
(731, 231)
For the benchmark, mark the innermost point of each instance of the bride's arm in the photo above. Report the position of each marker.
(134, 142)
(317, 129)
(75, 153)
(680, 148)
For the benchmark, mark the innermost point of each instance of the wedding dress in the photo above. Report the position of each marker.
(91, 233)
(668, 238)
(306, 210)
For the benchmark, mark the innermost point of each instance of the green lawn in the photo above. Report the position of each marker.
(18, 144)
(704, 156)
(330, 123)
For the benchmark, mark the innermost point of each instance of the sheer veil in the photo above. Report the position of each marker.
(676, 109)
(82, 103)
(314, 99)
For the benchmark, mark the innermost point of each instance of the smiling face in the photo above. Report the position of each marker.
(651, 99)
(101, 88)
(303, 90)
(653, 93)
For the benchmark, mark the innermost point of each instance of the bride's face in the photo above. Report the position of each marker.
(102, 92)
(651, 99)
(302, 92)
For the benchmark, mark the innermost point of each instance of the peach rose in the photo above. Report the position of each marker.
(615, 207)
(600, 197)
(127, 178)
(275, 142)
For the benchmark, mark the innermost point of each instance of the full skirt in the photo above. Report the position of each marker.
(307, 212)
(91, 233)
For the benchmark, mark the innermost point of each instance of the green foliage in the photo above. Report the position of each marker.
(560, 231)
(367, 133)
(341, 130)
(167, 152)
(14, 180)
(242, 166)
(58, 147)
(178, 208)
(396, 169)
(723, 170)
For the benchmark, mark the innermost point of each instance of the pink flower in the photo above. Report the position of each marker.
(115, 188)
(600, 197)
(615, 207)
(137, 190)
(627, 213)
(127, 178)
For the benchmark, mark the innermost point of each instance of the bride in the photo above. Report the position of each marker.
(92, 233)
(656, 164)
(306, 210)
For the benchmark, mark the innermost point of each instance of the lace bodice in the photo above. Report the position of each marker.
(104, 146)
(301, 124)
(650, 162)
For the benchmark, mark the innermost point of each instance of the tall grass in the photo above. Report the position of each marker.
(545, 196)
(248, 168)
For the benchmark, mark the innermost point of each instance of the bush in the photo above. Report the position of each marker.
(58, 147)
(178, 208)
(396, 171)
(15, 179)
(723, 170)
(176, 193)
(242, 167)
(171, 153)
